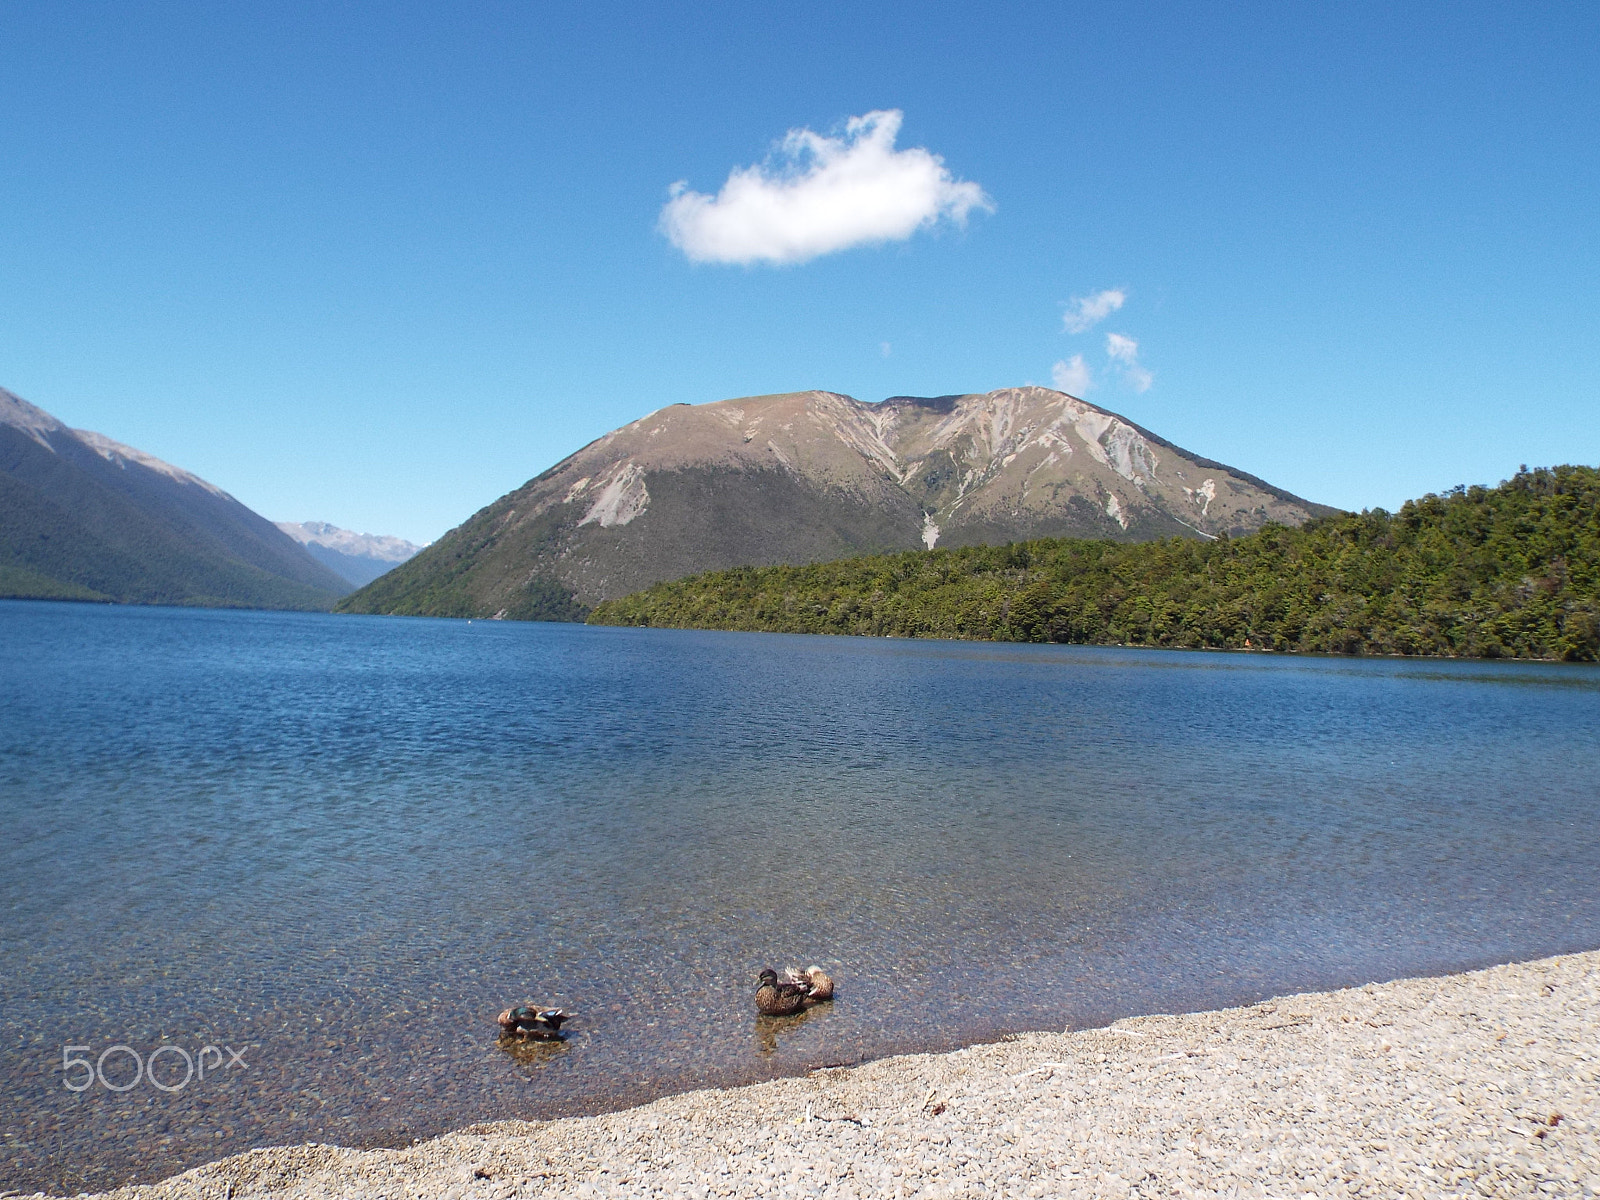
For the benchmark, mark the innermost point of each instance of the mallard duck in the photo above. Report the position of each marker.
(779, 999)
(527, 1022)
(816, 981)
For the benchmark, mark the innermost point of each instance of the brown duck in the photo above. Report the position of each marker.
(775, 998)
(817, 982)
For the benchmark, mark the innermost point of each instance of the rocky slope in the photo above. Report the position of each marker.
(357, 558)
(84, 517)
(810, 476)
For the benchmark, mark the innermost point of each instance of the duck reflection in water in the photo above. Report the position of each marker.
(533, 1054)
(770, 1029)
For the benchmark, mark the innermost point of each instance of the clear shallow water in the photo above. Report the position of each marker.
(340, 844)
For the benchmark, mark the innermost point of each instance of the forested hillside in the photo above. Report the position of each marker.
(1510, 571)
(83, 517)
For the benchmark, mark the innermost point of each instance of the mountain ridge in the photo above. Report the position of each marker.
(357, 558)
(85, 517)
(808, 476)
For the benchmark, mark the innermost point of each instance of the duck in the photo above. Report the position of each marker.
(775, 998)
(527, 1021)
(817, 982)
(821, 984)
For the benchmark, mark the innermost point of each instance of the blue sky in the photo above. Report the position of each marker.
(378, 264)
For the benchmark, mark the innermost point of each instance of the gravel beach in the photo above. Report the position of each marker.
(1480, 1084)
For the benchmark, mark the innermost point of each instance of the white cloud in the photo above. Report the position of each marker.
(1124, 351)
(1085, 312)
(1072, 376)
(885, 349)
(819, 195)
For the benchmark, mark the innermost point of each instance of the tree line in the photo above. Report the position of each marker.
(1511, 571)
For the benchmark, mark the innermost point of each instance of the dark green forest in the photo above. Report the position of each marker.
(1506, 572)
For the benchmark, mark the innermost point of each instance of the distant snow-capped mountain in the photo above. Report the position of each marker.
(357, 557)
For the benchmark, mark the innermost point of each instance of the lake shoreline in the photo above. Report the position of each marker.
(1482, 1082)
(1262, 651)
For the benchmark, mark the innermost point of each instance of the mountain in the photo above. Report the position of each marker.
(83, 517)
(357, 558)
(811, 476)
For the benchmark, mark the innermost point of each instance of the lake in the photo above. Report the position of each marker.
(332, 848)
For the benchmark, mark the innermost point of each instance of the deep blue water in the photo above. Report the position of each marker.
(340, 844)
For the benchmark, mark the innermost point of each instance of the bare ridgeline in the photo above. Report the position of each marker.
(1483, 1084)
(814, 476)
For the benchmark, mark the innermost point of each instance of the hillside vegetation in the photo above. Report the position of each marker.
(73, 527)
(1510, 571)
(84, 517)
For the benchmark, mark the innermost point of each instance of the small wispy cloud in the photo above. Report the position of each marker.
(1123, 351)
(1085, 312)
(1072, 376)
(818, 194)
(885, 349)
